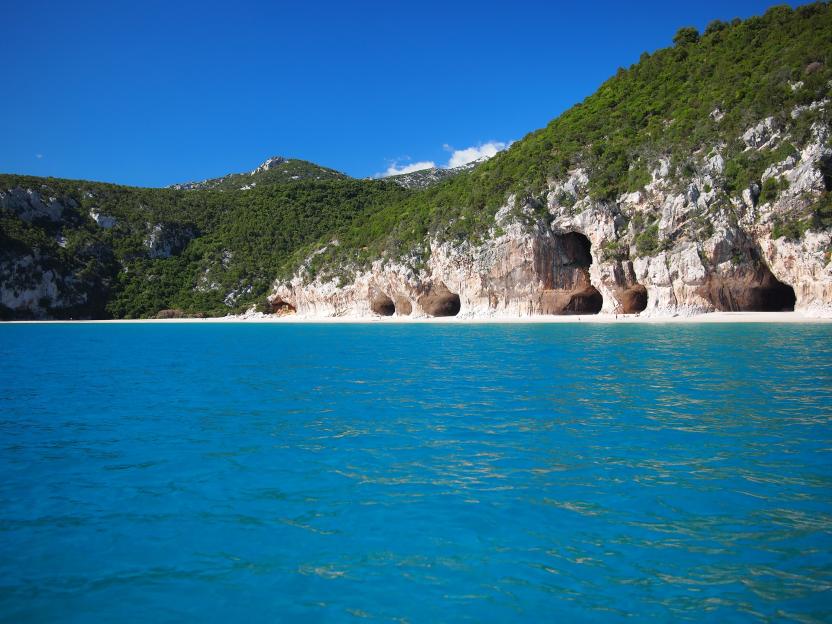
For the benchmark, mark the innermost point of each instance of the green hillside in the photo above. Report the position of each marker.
(219, 242)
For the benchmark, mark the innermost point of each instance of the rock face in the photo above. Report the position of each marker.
(30, 206)
(25, 288)
(30, 291)
(103, 220)
(38, 281)
(519, 273)
(677, 246)
(269, 163)
(168, 239)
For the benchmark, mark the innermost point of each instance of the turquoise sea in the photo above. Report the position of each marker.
(415, 473)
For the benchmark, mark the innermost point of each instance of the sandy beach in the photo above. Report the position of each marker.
(712, 317)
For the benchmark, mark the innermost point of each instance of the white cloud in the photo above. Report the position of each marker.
(394, 168)
(470, 154)
(458, 158)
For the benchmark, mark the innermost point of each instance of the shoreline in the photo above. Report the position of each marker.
(605, 319)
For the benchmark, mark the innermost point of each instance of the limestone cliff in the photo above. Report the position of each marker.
(677, 246)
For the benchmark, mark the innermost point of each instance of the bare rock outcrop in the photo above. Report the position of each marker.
(28, 291)
(30, 206)
(168, 239)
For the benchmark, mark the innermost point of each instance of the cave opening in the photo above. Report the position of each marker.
(383, 305)
(585, 301)
(759, 291)
(772, 296)
(575, 249)
(444, 305)
(633, 300)
(440, 302)
(282, 308)
(569, 289)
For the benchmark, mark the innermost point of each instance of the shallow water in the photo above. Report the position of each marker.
(415, 473)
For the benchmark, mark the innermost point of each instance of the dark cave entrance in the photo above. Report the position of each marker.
(576, 250)
(439, 301)
(383, 305)
(571, 290)
(633, 300)
(758, 291)
(586, 301)
(443, 305)
(772, 296)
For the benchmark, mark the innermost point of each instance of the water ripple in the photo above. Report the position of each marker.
(415, 473)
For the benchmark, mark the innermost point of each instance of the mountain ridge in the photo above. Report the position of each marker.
(286, 170)
(274, 170)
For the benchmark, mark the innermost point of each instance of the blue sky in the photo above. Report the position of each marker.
(148, 93)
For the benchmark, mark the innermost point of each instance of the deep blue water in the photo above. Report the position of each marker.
(415, 473)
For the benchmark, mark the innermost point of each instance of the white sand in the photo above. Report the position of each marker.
(712, 317)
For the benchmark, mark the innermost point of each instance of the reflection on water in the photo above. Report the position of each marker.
(415, 473)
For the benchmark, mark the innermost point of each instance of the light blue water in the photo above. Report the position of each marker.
(261, 473)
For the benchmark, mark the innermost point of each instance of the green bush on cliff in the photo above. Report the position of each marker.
(793, 229)
(772, 187)
(821, 212)
(647, 242)
(747, 167)
(817, 217)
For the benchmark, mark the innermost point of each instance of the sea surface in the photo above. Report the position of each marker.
(415, 473)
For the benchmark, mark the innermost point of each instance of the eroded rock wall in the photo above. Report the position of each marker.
(711, 252)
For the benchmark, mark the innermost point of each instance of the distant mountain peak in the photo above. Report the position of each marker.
(274, 170)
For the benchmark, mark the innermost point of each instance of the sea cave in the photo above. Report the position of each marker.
(383, 305)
